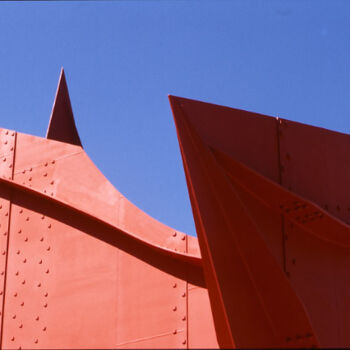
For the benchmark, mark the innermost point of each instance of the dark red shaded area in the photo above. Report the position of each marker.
(62, 125)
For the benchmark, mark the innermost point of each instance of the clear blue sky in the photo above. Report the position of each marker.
(122, 58)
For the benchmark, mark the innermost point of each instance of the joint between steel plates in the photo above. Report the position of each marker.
(280, 167)
(14, 134)
(186, 258)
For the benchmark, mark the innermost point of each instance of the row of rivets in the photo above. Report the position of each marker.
(45, 189)
(174, 309)
(39, 285)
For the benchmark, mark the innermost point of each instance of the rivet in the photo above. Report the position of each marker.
(14, 316)
(7, 214)
(46, 164)
(4, 252)
(17, 273)
(19, 231)
(11, 149)
(2, 273)
(184, 318)
(0, 206)
(18, 252)
(37, 318)
(10, 166)
(47, 271)
(23, 172)
(44, 329)
(4, 160)
(39, 284)
(13, 134)
(175, 331)
(174, 308)
(15, 294)
(44, 191)
(49, 226)
(36, 341)
(43, 217)
(13, 338)
(20, 326)
(46, 294)
(53, 162)
(48, 248)
(51, 193)
(24, 282)
(183, 237)
(41, 239)
(45, 305)
(174, 285)
(40, 261)
(6, 133)
(5, 233)
(22, 303)
(30, 179)
(183, 294)
(24, 261)
(1, 292)
(5, 142)
(174, 234)
(45, 174)
(26, 239)
(52, 182)
(30, 169)
(27, 218)
(184, 342)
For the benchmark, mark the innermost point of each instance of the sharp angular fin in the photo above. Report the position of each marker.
(62, 125)
(253, 303)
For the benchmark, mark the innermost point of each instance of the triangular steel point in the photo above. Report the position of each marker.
(62, 125)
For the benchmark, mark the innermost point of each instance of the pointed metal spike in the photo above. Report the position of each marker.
(62, 125)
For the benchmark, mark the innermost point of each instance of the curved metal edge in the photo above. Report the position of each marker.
(186, 258)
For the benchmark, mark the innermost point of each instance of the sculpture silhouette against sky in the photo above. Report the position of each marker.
(82, 267)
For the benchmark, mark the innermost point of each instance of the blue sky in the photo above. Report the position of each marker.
(122, 58)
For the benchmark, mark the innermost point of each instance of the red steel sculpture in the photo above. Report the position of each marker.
(82, 267)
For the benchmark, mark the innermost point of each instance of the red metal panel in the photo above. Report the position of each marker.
(316, 165)
(59, 265)
(152, 306)
(201, 331)
(250, 138)
(251, 307)
(317, 253)
(319, 273)
(55, 272)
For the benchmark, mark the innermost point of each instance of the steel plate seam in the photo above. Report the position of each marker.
(279, 167)
(8, 240)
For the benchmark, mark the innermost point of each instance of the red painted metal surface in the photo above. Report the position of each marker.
(269, 197)
(82, 267)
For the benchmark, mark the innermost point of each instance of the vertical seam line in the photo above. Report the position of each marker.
(284, 263)
(8, 242)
